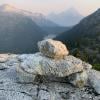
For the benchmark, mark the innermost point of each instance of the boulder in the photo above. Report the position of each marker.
(3, 58)
(60, 68)
(52, 48)
(37, 64)
(78, 79)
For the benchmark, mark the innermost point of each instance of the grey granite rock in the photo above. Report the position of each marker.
(78, 79)
(24, 77)
(12, 89)
(94, 79)
(37, 64)
(60, 68)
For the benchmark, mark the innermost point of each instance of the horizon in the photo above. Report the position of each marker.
(46, 7)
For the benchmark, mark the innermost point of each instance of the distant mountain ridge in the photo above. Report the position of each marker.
(88, 26)
(85, 37)
(18, 33)
(20, 30)
(38, 18)
(70, 17)
(42, 21)
(48, 26)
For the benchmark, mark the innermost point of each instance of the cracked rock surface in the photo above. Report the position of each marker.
(42, 89)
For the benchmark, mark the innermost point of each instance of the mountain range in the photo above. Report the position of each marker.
(50, 27)
(67, 18)
(84, 38)
(21, 29)
(18, 32)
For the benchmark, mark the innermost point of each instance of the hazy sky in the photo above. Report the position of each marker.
(85, 7)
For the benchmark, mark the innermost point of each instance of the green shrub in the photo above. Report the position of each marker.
(96, 66)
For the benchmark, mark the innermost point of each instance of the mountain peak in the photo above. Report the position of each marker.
(7, 7)
(68, 17)
(72, 9)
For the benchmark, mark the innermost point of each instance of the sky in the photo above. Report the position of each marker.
(85, 7)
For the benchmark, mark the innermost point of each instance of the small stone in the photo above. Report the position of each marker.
(78, 79)
(3, 58)
(52, 48)
(3, 66)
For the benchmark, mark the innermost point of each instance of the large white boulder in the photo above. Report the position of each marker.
(37, 64)
(62, 67)
(52, 48)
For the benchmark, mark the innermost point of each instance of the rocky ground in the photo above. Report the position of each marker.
(43, 87)
(11, 89)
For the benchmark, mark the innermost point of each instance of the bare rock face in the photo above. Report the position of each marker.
(53, 49)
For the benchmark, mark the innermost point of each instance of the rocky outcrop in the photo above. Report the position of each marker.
(46, 63)
(39, 77)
